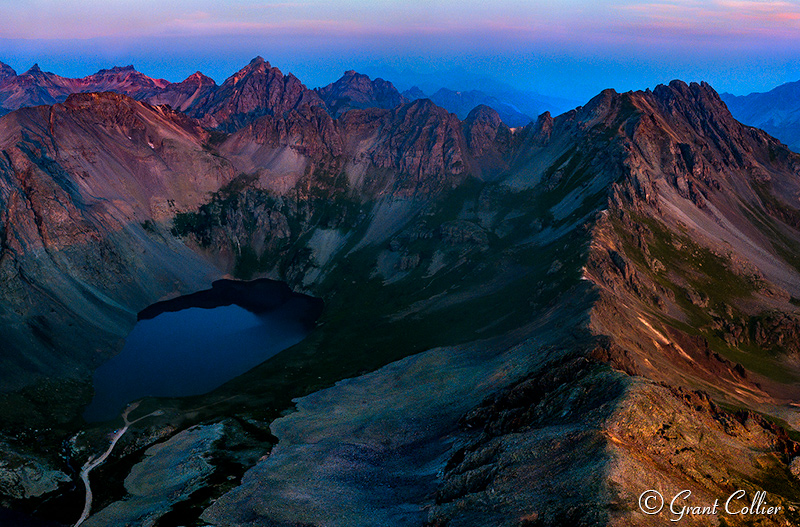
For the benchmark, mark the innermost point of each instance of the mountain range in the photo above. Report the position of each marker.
(352, 90)
(777, 111)
(522, 326)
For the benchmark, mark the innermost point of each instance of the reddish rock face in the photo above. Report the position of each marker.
(485, 133)
(420, 142)
(256, 90)
(184, 95)
(413, 149)
(355, 90)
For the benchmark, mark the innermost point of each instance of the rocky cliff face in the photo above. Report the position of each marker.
(524, 327)
(256, 90)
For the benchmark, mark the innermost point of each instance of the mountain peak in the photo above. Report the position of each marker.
(258, 60)
(414, 93)
(6, 71)
(33, 70)
(356, 90)
(199, 78)
(258, 64)
(701, 93)
(483, 113)
(256, 90)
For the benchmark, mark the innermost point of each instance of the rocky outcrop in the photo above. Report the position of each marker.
(25, 476)
(488, 139)
(170, 473)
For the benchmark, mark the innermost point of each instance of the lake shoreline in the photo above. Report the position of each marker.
(257, 296)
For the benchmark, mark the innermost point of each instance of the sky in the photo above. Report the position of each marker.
(564, 48)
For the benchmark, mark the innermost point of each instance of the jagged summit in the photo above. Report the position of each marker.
(256, 90)
(356, 90)
(118, 69)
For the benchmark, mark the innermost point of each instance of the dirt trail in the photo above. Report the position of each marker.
(92, 463)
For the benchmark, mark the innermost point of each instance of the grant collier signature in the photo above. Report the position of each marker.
(737, 504)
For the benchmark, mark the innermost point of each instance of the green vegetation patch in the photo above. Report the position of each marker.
(687, 266)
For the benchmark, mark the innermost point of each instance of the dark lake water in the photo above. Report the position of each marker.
(180, 349)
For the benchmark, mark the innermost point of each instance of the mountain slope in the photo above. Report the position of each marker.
(670, 155)
(79, 179)
(6, 71)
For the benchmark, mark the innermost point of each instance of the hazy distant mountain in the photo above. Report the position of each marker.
(355, 90)
(777, 112)
(462, 103)
(414, 93)
(516, 108)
